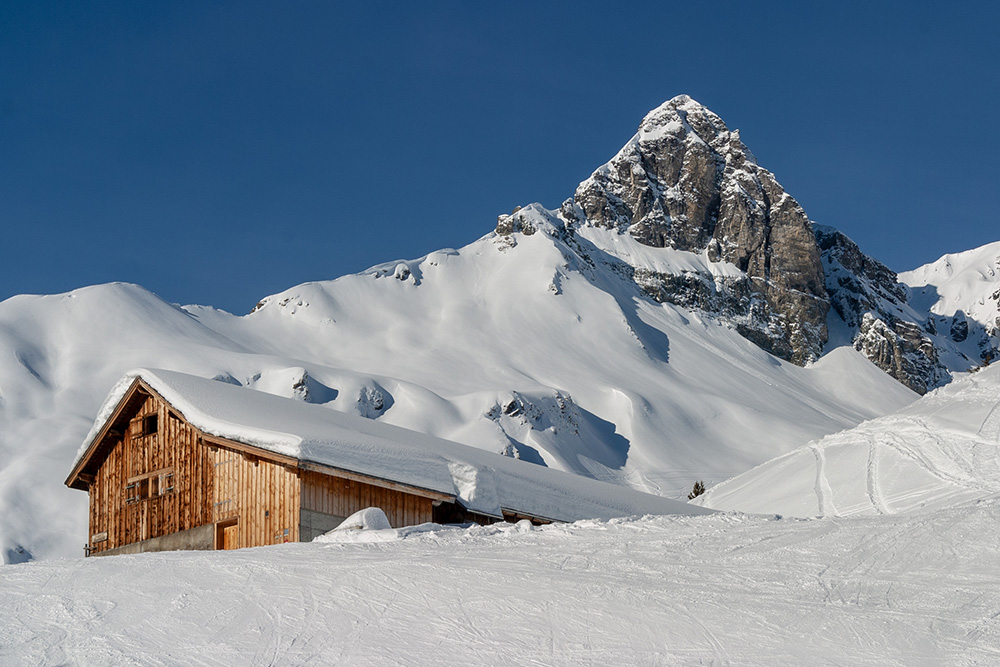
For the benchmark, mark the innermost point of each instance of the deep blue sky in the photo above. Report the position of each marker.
(220, 152)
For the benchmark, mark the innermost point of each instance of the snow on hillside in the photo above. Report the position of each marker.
(542, 350)
(961, 291)
(728, 589)
(526, 345)
(940, 451)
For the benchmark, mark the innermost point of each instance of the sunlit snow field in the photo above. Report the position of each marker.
(728, 589)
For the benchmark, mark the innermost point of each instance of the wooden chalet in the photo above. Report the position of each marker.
(180, 462)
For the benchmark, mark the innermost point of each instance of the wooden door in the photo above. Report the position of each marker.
(227, 534)
(231, 536)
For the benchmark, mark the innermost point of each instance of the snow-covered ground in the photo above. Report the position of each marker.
(940, 451)
(730, 589)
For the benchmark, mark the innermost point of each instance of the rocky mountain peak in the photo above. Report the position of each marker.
(682, 114)
(685, 181)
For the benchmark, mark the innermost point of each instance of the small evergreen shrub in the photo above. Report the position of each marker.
(699, 488)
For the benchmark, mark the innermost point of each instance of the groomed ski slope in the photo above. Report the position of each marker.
(729, 589)
(940, 451)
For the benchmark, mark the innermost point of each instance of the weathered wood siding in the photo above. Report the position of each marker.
(344, 497)
(209, 484)
(173, 447)
(262, 496)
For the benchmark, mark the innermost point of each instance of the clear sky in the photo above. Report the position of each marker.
(218, 152)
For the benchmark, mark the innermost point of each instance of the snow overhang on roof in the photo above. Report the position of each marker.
(479, 480)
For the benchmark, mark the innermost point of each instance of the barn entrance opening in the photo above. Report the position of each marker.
(227, 534)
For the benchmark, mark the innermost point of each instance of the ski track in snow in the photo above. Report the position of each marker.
(990, 430)
(727, 589)
(824, 494)
(940, 451)
(872, 480)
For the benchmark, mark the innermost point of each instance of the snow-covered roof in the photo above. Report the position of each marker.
(480, 480)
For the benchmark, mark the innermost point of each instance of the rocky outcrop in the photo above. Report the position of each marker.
(856, 283)
(686, 181)
(873, 303)
(735, 300)
(902, 351)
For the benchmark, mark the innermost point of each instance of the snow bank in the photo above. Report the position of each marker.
(370, 518)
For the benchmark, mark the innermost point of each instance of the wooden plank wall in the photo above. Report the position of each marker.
(263, 497)
(173, 446)
(344, 497)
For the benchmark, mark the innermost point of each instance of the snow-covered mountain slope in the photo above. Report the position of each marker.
(727, 589)
(532, 345)
(940, 451)
(543, 349)
(961, 294)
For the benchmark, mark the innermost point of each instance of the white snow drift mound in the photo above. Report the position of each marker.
(920, 589)
(940, 451)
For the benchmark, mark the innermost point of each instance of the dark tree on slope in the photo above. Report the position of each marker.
(699, 488)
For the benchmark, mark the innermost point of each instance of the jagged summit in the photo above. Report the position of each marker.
(685, 181)
(683, 115)
(679, 102)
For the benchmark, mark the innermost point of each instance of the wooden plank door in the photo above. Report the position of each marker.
(227, 534)
(231, 536)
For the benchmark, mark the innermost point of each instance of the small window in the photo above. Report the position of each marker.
(149, 425)
(150, 485)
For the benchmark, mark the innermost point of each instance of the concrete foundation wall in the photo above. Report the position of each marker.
(195, 539)
(313, 524)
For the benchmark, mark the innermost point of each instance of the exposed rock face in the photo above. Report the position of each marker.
(870, 299)
(856, 283)
(959, 328)
(902, 351)
(508, 224)
(737, 301)
(686, 181)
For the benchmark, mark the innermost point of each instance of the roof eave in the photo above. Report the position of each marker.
(74, 480)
